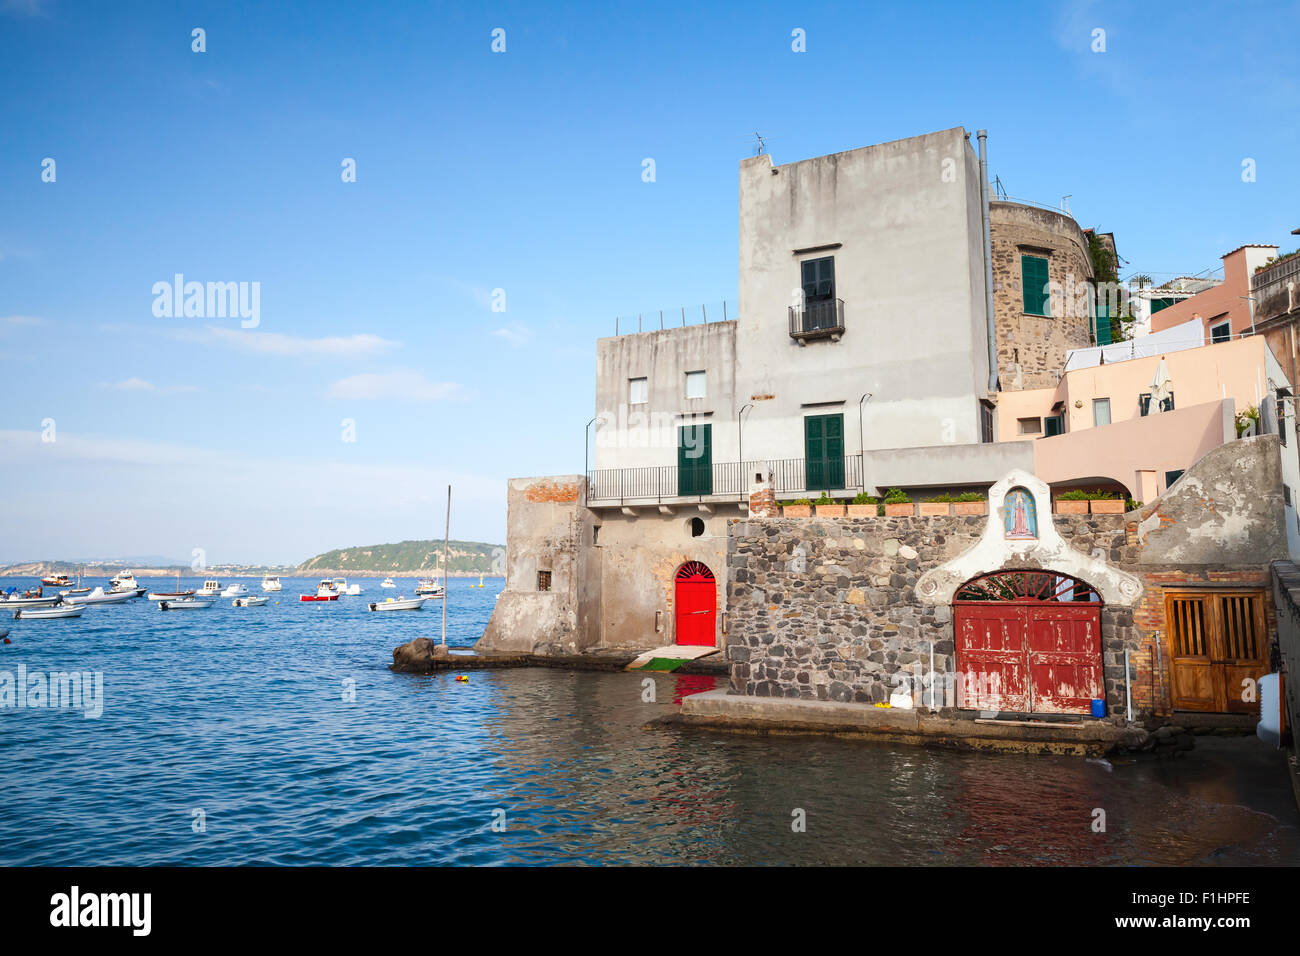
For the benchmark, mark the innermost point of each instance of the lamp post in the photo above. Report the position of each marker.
(586, 441)
(740, 434)
(862, 451)
(1250, 300)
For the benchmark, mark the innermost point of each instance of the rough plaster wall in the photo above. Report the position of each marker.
(1032, 349)
(1227, 509)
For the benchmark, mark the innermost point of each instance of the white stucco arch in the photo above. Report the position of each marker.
(1049, 552)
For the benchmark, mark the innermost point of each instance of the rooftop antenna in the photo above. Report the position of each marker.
(761, 145)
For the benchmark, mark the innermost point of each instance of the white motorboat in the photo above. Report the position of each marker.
(210, 589)
(75, 592)
(184, 604)
(39, 613)
(125, 581)
(398, 604)
(249, 601)
(271, 583)
(429, 588)
(387, 583)
(99, 596)
(235, 590)
(17, 602)
(326, 588)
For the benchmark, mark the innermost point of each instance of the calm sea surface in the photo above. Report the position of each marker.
(277, 735)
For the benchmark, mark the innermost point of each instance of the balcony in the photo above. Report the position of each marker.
(821, 319)
(723, 481)
(1276, 290)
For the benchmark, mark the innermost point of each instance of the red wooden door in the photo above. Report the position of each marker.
(1029, 642)
(696, 605)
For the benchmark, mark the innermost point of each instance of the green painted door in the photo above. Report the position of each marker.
(695, 460)
(823, 438)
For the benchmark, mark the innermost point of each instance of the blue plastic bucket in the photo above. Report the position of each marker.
(1098, 707)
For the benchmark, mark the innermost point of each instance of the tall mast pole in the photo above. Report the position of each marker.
(446, 571)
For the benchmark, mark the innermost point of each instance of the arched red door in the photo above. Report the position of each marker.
(1029, 642)
(696, 603)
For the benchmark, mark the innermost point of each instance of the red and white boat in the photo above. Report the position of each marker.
(325, 591)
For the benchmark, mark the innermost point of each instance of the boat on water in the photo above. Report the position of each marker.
(341, 585)
(387, 583)
(56, 580)
(211, 589)
(429, 588)
(325, 591)
(271, 583)
(185, 604)
(99, 596)
(125, 581)
(250, 601)
(235, 590)
(39, 613)
(177, 595)
(398, 604)
(13, 602)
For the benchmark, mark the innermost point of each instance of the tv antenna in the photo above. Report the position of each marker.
(761, 145)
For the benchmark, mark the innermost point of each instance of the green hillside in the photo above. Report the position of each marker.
(410, 557)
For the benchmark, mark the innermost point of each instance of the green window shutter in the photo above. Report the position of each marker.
(695, 460)
(1033, 279)
(823, 452)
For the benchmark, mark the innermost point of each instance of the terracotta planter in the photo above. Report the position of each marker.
(861, 511)
(935, 509)
(1107, 506)
(796, 511)
(830, 511)
(1070, 507)
(901, 510)
(968, 507)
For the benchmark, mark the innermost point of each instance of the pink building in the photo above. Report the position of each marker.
(1223, 308)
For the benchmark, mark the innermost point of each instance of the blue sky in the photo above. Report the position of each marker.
(518, 171)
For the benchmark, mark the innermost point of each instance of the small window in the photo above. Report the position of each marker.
(697, 527)
(1171, 477)
(595, 535)
(1101, 411)
(1220, 333)
(1030, 426)
(1144, 403)
(1054, 425)
(1034, 281)
(697, 384)
(638, 391)
(543, 580)
(1281, 420)
(1286, 495)
(986, 423)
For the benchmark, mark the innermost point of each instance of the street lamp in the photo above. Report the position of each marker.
(740, 433)
(586, 441)
(862, 451)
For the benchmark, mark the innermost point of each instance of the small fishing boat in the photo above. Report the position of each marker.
(38, 613)
(251, 601)
(387, 583)
(271, 583)
(100, 596)
(184, 604)
(56, 580)
(12, 600)
(210, 589)
(332, 596)
(177, 595)
(341, 585)
(429, 588)
(235, 590)
(398, 604)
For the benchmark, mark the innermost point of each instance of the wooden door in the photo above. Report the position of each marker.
(696, 605)
(824, 452)
(1064, 658)
(1218, 646)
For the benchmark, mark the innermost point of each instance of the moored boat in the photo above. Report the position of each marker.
(56, 580)
(211, 589)
(99, 596)
(398, 604)
(387, 583)
(38, 613)
(271, 583)
(332, 596)
(429, 588)
(235, 590)
(185, 604)
(251, 601)
(177, 595)
(123, 582)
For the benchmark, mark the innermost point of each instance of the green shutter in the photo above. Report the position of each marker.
(824, 452)
(1033, 279)
(1103, 321)
(695, 460)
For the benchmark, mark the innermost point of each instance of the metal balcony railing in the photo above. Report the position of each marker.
(662, 484)
(818, 319)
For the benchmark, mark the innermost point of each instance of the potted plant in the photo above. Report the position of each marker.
(799, 508)
(1104, 503)
(968, 503)
(1072, 502)
(828, 507)
(897, 504)
(862, 506)
(936, 507)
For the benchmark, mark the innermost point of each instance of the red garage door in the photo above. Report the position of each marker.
(1029, 642)
(696, 603)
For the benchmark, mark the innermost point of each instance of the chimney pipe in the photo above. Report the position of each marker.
(983, 135)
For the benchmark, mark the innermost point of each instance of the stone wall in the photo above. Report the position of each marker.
(1032, 349)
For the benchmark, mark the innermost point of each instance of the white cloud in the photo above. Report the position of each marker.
(515, 334)
(21, 320)
(276, 343)
(401, 384)
(140, 385)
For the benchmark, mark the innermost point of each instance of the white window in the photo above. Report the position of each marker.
(1101, 411)
(1030, 426)
(1221, 333)
(638, 391)
(696, 385)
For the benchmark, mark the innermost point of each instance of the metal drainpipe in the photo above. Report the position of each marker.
(983, 135)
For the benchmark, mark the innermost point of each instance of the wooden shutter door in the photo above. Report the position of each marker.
(1191, 669)
(834, 454)
(814, 443)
